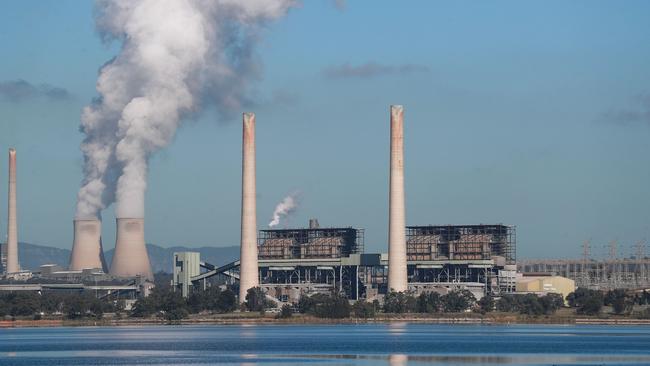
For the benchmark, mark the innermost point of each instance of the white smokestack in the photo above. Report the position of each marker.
(397, 279)
(130, 256)
(248, 274)
(12, 221)
(175, 54)
(87, 249)
(285, 208)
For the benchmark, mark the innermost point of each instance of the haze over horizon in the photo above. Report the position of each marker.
(530, 114)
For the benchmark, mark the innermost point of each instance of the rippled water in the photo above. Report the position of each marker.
(364, 344)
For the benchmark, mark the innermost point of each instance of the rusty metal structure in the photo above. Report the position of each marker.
(461, 242)
(310, 243)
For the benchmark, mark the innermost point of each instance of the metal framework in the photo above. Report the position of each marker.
(461, 242)
(310, 243)
(602, 274)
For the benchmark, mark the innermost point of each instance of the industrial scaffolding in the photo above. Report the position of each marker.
(461, 242)
(310, 243)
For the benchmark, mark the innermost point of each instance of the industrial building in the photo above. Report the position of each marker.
(542, 285)
(288, 263)
(294, 262)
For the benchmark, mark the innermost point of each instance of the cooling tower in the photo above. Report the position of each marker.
(396, 223)
(130, 258)
(248, 276)
(12, 224)
(87, 249)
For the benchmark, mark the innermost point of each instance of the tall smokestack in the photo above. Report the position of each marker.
(87, 249)
(130, 258)
(396, 223)
(12, 223)
(248, 257)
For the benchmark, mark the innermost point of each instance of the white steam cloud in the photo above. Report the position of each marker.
(176, 55)
(285, 208)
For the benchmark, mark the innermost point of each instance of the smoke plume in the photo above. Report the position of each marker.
(175, 56)
(285, 208)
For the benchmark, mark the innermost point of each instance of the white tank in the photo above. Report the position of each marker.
(397, 279)
(248, 276)
(12, 221)
(87, 249)
(130, 258)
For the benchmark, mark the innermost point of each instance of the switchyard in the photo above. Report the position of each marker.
(605, 274)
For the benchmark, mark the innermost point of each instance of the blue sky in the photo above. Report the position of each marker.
(535, 114)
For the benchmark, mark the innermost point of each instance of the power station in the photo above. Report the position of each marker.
(290, 263)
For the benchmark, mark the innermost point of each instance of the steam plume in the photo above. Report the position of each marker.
(285, 208)
(175, 55)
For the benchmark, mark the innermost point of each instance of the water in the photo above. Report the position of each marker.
(394, 344)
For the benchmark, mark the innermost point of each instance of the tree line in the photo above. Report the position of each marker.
(72, 305)
(165, 303)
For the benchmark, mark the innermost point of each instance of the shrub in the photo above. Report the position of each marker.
(255, 299)
(325, 306)
(486, 304)
(399, 302)
(620, 301)
(285, 312)
(334, 306)
(588, 302)
(363, 309)
(457, 301)
(429, 302)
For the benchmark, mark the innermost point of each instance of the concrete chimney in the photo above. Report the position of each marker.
(397, 280)
(130, 258)
(248, 276)
(87, 249)
(12, 222)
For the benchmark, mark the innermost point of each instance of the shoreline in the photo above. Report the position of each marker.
(228, 319)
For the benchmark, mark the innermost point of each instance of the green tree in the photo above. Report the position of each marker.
(507, 303)
(530, 304)
(333, 306)
(551, 302)
(144, 307)
(429, 302)
(399, 302)
(363, 309)
(255, 299)
(285, 312)
(486, 304)
(457, 301)
(587, 301)
(226, 302)
(307, 304)
(620, 301)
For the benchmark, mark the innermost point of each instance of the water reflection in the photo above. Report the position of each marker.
(391, 344)
(397, 328)
(398, 360)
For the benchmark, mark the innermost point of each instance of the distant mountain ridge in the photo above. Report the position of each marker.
(32, 256)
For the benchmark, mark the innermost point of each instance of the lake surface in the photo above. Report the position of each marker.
(393, 344)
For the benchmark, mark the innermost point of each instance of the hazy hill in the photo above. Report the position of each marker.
(32, 255)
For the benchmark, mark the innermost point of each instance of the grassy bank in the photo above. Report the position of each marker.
(563, 316)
